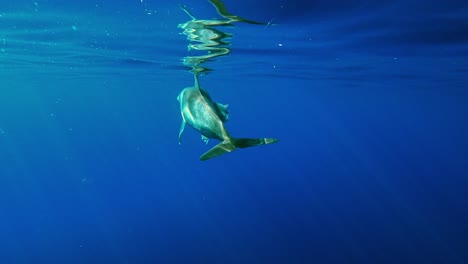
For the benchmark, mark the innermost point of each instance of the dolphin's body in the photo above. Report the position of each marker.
(207, 117)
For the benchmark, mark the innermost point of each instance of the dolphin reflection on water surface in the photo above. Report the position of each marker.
(196, 106)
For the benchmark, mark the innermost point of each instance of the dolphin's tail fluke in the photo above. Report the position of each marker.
(233, 144)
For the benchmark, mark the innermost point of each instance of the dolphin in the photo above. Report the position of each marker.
(207, 117)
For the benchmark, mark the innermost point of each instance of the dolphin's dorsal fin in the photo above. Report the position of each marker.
(197, 85)
(221, 109)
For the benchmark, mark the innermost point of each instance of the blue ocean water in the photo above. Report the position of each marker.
(368, 99)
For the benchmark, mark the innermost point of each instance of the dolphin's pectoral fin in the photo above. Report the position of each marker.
(222, 106)
(182, 127)
(205, 139)
(223, 111)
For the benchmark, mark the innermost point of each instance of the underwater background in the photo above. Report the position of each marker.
(368, 98)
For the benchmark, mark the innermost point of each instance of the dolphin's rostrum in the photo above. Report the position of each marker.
(207, 117)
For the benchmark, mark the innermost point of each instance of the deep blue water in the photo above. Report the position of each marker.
(369, 100)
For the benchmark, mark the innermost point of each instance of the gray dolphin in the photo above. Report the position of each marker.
(207, 117)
